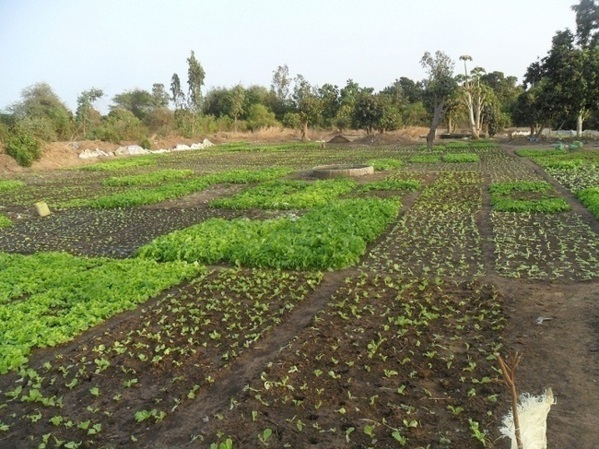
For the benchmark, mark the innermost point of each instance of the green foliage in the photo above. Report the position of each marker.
(4, 221)
(331, 236)
(590, 199)
(461, 157)
(288, 195)
(507, 188)
(503, 197)
(120, 124)
(23, 147)
(155, 177)
(544, 205)
(139, 197)
(10, 185)
(121, 164)
(425, 159)
(390, 184)
(536, 152)
(49, 298)
(259, 116)
(385, 164)
(146, 144)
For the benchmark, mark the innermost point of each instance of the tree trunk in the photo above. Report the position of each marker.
(305, 130)
(579, 121)
(437, 117)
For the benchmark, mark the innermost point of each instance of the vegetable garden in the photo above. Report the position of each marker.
(225, 299)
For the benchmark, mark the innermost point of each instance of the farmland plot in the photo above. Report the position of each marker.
(394, 346)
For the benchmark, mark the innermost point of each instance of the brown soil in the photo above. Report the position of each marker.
(562, 353)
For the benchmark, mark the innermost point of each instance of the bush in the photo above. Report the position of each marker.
(23, 147)
(146, 144)
(259, 116)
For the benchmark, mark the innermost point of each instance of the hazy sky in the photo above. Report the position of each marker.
(117, 45)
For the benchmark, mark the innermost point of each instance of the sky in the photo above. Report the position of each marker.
(119, 45)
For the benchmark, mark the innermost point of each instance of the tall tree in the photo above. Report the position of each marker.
(307, 104)
(587, 23)
(178, 97)
(236, 100)
(195, 82)
(475, 95)
(138, 101)
(438, 88)
(159, 96)
(85, 101)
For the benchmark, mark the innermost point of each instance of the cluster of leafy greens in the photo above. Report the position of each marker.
(49, 298)
(155, 177)
(538, 197)
(326, 237)
(287, 195)
(590, 198)
(139, 197)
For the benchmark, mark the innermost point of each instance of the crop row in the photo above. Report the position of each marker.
(155, 177)
(148, 366)
(544, 246)
(438, 235)
(590, 198)
(526, 196)
(287, 195)
(373, 369)
(331, 236)
(49, 298)
(138, 196)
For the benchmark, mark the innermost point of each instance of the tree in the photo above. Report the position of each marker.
(587, 23)
(42, 113)
(138, 101)
(280, 91)
(178, 97)
(195, 82)
(367, 111)
(329, 95)
(438, 88)
(160, 96)
(475, 96)
(236, 99)
(85, 101)
(307, 104)
(567, 80)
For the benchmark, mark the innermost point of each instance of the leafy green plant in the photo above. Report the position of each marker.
(590, 199)
(23, 147)
(385, 164)
(390, 184)
(332, 236)
(155, 177)
(7, 185)
(4, 221)
(287, 195)
(461, 157)
(425, 159)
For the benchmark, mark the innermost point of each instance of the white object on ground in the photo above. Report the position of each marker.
(532, 413)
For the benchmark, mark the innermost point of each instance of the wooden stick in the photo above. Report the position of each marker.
(509, 375)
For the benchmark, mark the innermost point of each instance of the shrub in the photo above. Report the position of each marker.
(146, 144)
(23, 147)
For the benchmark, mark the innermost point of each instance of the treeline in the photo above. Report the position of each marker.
(560, 90)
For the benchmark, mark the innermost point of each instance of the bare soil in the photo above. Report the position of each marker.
(555, 325)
